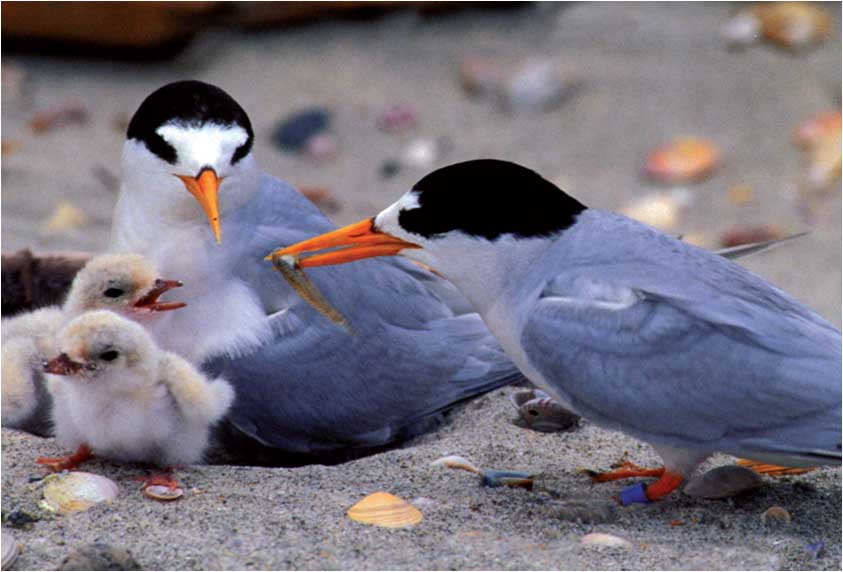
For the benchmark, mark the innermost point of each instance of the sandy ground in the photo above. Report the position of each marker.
(647, 73)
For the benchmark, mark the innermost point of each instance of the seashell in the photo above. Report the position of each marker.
(748, 234)
(743, 29)
(67, 493)
(659, 210)
(456, 462)
(514, 479)
(11, 550)
(44, 121)
(723, 482)
(603, 539)
(817, 128)
(522, 396)
(740, 195)
(163, 492)
(542, 413)
(65, 217)
(386, 510)
(684, 159)
(825, 161)
(775, 515)
(321, 147)
(793, 24)
(773, 470)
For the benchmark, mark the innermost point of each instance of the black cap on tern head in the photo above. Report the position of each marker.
(189, 103)
(489, 198)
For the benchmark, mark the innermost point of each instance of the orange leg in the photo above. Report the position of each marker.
(666, 484)
(626, 470)
(68, 463)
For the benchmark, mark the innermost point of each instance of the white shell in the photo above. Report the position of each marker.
(67, 493)
(603, 539)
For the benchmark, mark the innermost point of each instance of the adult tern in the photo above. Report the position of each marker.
(623, 324)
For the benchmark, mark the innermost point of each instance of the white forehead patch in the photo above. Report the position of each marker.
(206, 145)
(387, 219)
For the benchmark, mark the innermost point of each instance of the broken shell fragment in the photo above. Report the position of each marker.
(603, 539)
(773, 470)
(163, 492)
(11, 550)
(514, 479)
(66, 493)
(65, 217)
(386, 510)
(793, 24)
(775, 515)
(540, 412)
(660, 210)
(723, 482)
(456, 462)
(684, 159)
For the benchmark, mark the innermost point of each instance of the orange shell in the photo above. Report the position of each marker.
(682, 160)
(386, 510)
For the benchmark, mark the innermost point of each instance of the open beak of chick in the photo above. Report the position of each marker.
(353, 242)
(63, 365)
(150, 303)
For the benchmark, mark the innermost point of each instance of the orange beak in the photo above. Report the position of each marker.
(353, 242)
(205, 188)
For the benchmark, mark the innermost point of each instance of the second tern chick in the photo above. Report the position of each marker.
(124, 283)
(117, 395)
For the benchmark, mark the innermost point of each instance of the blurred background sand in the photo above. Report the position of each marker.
(639, 76)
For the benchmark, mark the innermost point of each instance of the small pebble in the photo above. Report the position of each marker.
(21, 519)
(775, 516)
(99, 556)
(659, 210)
(323, 198)
(389, 168)
(747, 234)
(534, 85)
(64, 218)
(295, 130)
(723, 482)
(603, 539)
(398, 118)
(481, 75)
(69, 114)
(742, 29)
(793, 25)
(587, 512)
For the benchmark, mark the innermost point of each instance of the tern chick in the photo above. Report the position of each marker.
(124, 283)
(621, 323)
(117, 395)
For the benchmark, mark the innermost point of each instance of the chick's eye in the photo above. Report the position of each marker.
(113, 293)
(110, 355)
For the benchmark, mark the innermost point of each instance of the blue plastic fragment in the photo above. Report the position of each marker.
(815, 549)
(636, 494)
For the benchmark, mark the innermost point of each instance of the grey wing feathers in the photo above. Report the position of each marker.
(314, 387)
(695, 351)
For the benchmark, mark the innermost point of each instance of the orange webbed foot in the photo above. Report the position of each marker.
(68, 463)
(625, 470)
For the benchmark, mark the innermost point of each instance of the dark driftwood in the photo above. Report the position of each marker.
(31, 281)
